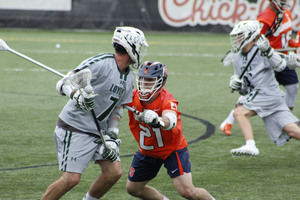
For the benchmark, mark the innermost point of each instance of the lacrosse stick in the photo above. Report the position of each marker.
(161, 123)
(88, 88)
(287, 49)
(5, 47)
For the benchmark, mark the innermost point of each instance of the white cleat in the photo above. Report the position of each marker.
(245, 150)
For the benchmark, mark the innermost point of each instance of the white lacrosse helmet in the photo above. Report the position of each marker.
(281, 5)
(243, 33)
(134, 41)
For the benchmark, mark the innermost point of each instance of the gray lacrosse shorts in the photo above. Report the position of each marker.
(274, 112)
(75, 150)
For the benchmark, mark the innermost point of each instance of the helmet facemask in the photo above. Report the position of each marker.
(148, 87)
(151, 79)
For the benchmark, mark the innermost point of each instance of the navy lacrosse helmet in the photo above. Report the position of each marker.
(150, 79)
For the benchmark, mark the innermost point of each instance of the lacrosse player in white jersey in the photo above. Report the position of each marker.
(262, 95)
(76, 135)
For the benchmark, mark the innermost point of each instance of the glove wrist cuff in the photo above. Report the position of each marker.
(268, 53)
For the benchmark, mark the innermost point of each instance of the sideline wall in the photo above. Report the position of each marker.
(156, 15)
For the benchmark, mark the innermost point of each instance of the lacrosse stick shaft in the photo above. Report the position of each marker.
(99, 128)
(246, 68)
(5, 47)
(132, 110)
(138, 113)
(287, 49)
(36, 62)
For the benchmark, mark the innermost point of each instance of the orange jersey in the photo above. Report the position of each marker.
(156, 142)
(282, 38)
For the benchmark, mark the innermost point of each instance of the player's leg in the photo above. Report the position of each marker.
(111, 173)
(178, 166)
(227, 124)
(187, 190)
(67, 144)
(292, 130)
(289, 79)
(143, 169)
(290, 94)
(242, 115)
(143, 191)
(61, 186)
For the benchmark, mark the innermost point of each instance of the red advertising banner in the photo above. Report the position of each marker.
(154, 15)
(179, 13)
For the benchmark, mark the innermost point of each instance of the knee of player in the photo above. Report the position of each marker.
(237, 113)
(294, 134)
(114, 175)
(189, 193)
(71, 180)
(131, 189)
(293, 130)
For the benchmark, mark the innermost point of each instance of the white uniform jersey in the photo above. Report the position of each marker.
(113, 88)
(259, 75)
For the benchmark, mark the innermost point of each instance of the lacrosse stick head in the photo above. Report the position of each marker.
(82, 80)
(243, 33)
(3, 46)
(228, 58)
(134, 41)
(151, 78)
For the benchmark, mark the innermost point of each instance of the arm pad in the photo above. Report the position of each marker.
(277, 62)
(114, 120)
(173, 120)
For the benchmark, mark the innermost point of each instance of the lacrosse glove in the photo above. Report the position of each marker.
(235, 82)
(263, 45)
(83, 100)
(292, 60)
(149, 117)
(110, 153)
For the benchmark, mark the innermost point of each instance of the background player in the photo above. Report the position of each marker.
(158, 144)
(263, 96)
(276, 16)
(76, 132)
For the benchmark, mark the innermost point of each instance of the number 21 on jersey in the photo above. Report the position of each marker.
(145, 132)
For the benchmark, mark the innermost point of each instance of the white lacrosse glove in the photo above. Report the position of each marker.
(235, 82)
(292, 60)
(64, 86)
(110, 153)
(263, 45)
(84, 98)
(149, 117)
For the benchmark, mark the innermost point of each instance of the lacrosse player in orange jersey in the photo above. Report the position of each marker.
(276, 23)
(158, 131)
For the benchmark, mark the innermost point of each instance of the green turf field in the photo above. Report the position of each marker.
(29, 106)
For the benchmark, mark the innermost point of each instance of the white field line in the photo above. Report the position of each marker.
(205, 55)
(171, 73)
(95, 53)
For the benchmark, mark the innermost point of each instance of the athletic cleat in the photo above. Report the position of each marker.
(245, 150)
(226, 128)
